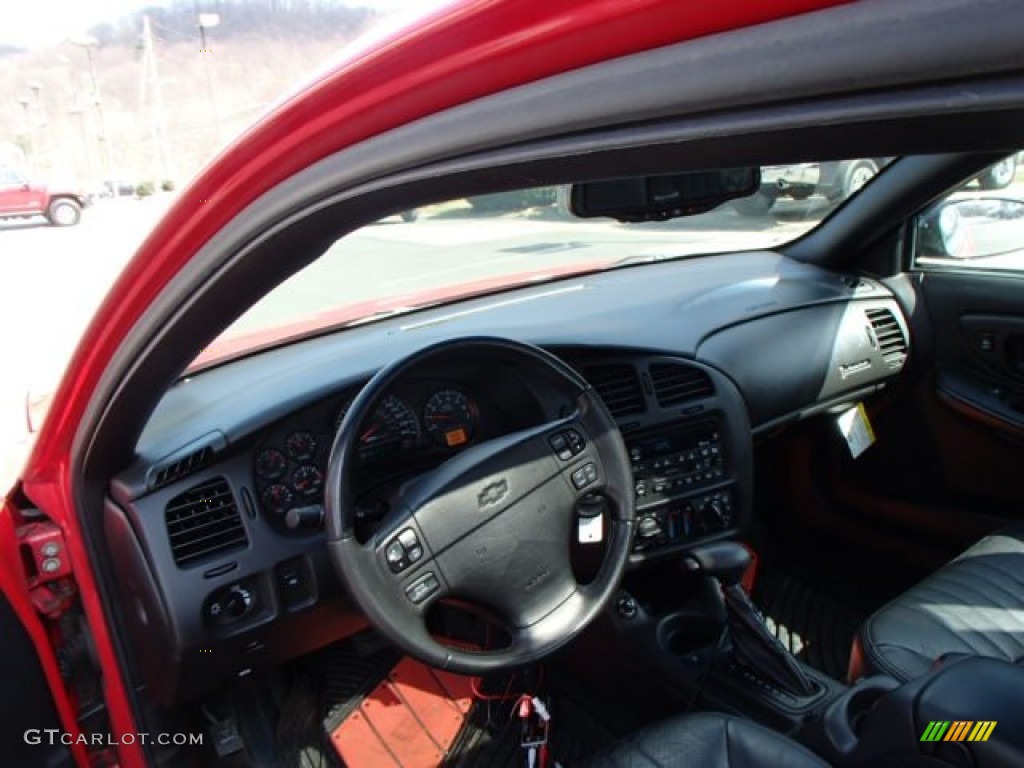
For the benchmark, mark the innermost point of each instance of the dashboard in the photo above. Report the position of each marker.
(415, 427)
(216, 529)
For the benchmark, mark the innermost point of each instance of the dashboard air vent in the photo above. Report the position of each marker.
(186, 465)
(675, 383)
(891, 342)
(618, 386)
(203, 521)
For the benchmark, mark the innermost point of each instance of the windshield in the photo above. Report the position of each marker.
(439, 253)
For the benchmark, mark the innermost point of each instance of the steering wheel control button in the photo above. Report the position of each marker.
(395, 555)
(567, 444)
(584, 476)
(576, 441)
(560, 446)
(422, 588)
(404, 550)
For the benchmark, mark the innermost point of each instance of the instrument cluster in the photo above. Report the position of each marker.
(426, 422)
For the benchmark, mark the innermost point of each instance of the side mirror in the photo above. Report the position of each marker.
(971, 228)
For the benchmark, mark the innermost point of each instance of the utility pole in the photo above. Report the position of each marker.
(204, 20)
(40, 129)
(78, 111)
(153, 94)
(90, 44)
(28, 148)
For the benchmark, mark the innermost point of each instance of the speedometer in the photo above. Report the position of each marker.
(393, 429)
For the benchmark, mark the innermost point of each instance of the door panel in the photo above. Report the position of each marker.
(977, 413)
(25, 701)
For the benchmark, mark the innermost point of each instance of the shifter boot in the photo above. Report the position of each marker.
(757, 648)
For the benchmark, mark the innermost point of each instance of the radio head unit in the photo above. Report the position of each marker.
(676, 462)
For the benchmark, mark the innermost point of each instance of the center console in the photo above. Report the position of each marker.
(967, 711)
(684, 483)
(689, 652)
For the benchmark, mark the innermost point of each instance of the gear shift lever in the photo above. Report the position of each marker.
(724, 561)
(753, 645)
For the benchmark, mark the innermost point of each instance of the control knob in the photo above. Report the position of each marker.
(626, 606)
(237, 602)
(713, 515)
(648, 527)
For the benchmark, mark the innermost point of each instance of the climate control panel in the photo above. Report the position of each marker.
(680, 522)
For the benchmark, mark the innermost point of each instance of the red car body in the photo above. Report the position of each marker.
(459, 53)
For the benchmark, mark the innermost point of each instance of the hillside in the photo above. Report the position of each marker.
(50, 120)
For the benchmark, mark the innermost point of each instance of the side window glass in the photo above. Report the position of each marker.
(979, 226)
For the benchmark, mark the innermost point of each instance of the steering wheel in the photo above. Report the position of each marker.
(491, 526)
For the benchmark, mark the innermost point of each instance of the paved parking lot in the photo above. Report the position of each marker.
(52, 281)
(55, 277)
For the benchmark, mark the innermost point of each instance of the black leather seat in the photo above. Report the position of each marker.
(974, 605)
(709, 741)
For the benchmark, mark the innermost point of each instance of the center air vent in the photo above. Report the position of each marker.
(675, 383)
(619, 388)
(891, 342)
(204, 521)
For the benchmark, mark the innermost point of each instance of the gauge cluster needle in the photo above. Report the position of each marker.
(368, 433)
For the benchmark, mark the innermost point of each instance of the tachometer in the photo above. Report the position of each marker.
(451, 418)
(392, 429)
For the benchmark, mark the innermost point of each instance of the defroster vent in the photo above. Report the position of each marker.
(186, 465)
(675, 383)
(891, 342)
(619, 388)
(204, 521)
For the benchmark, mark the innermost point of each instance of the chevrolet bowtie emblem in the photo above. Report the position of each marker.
(492, 494)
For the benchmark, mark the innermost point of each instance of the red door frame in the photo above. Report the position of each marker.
(454, 55)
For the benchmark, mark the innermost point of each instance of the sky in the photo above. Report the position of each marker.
(38, 23)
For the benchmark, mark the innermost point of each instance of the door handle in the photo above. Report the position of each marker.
(992, 404)
(1013, 347)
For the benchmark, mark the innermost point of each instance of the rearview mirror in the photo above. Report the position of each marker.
(656, 198)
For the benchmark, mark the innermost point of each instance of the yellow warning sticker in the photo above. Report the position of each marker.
(855, 427)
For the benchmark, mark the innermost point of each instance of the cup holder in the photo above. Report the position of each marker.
(844, 717)
(683, 633)
(863, 698)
